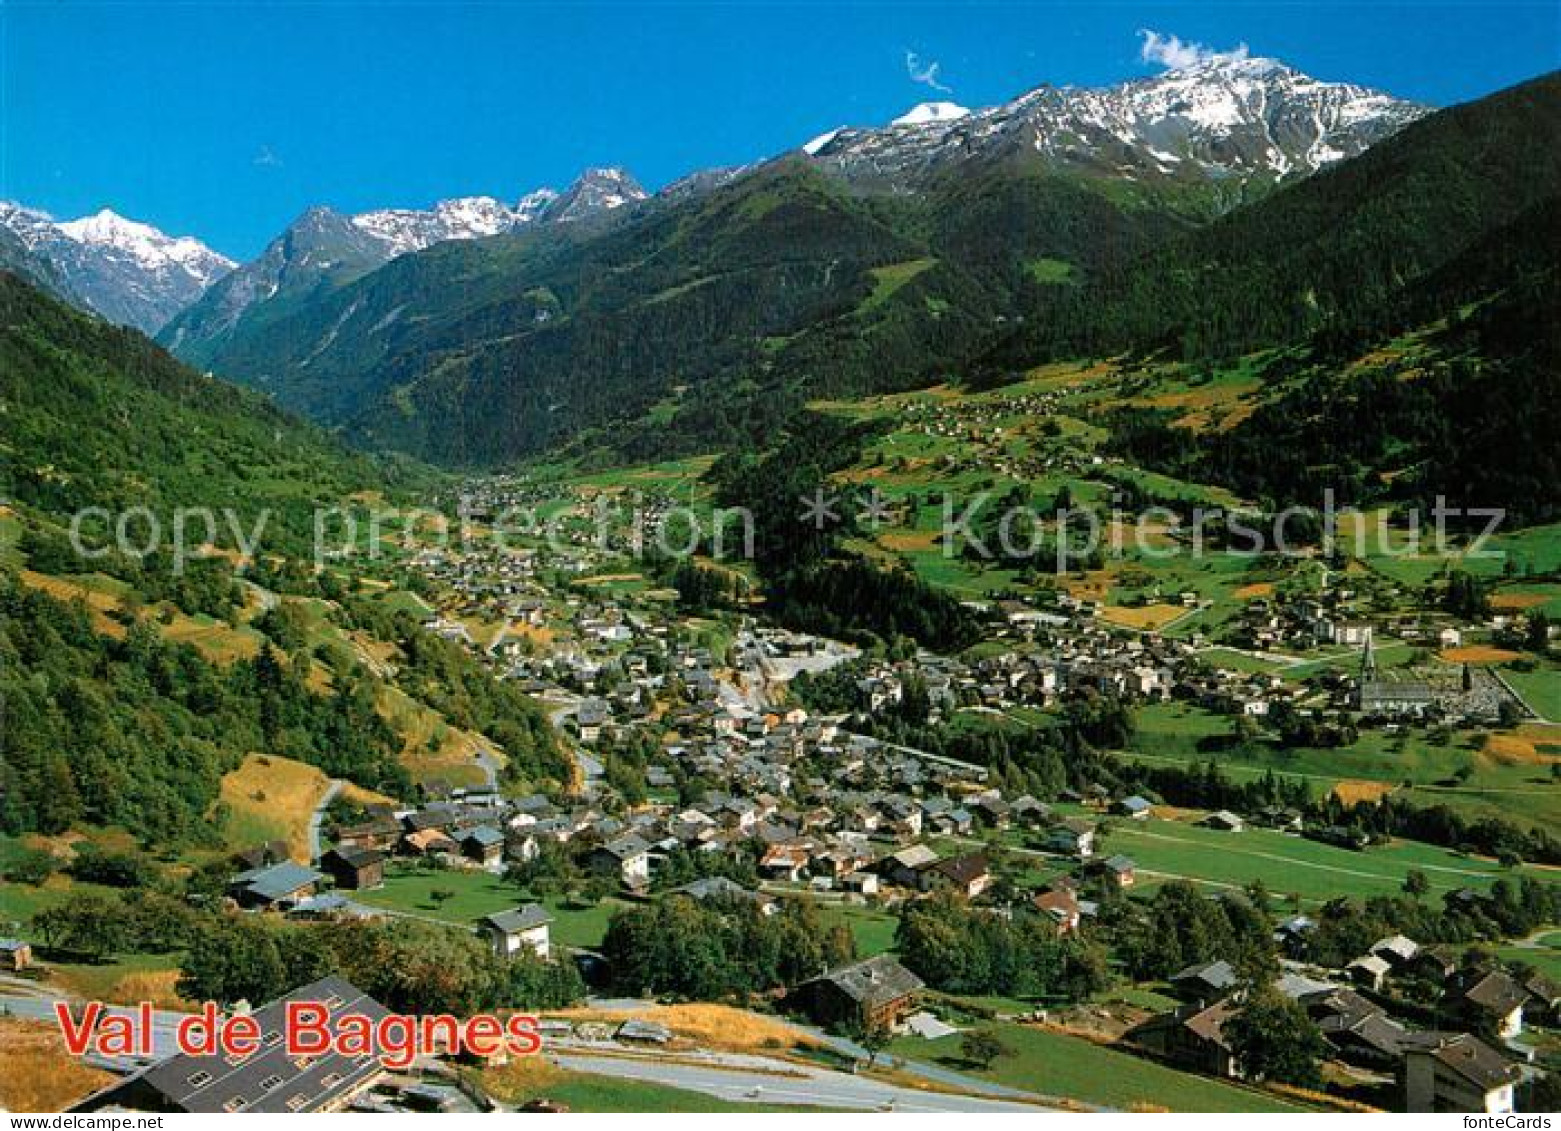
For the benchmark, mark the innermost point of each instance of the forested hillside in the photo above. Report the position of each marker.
(713, 316)
(97, 415)
(131, 687)
(1348, 256)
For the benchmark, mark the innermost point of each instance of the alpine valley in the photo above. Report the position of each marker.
(373, 626)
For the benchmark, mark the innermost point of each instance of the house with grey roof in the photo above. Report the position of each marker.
(275, 886)
(269, 1079)
(627, 858)
(876, 992)
(524, 928)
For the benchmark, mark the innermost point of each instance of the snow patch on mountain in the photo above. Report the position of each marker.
(1224, 117)
(404, 230)
(127, 271)
(927, 112)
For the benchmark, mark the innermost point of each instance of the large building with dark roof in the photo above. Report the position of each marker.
(268, 1080)
(875, 992)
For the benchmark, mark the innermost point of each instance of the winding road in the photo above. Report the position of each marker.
(760, 1080)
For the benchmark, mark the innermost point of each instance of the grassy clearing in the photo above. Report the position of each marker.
(1540, 689)
(1543, 954)
(1290, 864)
(271, 798)
(889, 279)
(1497, 785)
(475, 894)
(536, 1079)
(125, 979)
(35, 1072)
(1232, 660)
(873, 930)
(711, 1026)
(1052, 1063)
(433, 749)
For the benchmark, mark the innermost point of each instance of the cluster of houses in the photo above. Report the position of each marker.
(1461, 1055)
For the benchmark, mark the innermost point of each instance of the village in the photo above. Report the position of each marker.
(703, 776)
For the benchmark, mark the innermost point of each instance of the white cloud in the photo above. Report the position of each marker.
(266, 158)
(1175, 53)
(927, 73)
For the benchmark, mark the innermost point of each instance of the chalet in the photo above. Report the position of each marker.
(442, 815)
(1223, 820)
(524, 928)
(355, 868)
(268, 1080)
(906, 866)
(627, 858)
(1281, 818)
(428, 842)
(970, 875)
(861, 882)
(903, 816)
(877, 992)
(991, 810)
(483, 844)
(1340, 836)
(1493, 1000)
(1118, 870)
(277, 886)
(1544, 997)
(1369, 971)
(784, 862)
(720, 889)
(1291, 935)
(259, 856)
(952, 820)
(1072, 837)
(1456, 1072)
(1369, 1040)
(380, 833)
(1061, 905)
(1398, 951)
(1192, 1036)
(1359, 1031)
(15, 955)
(591, 715)
(1205, 981)
(522, 844)
(1434, 963)
(1135, 807)
(1029, 812)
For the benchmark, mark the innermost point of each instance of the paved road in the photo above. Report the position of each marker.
(938, 1075)
(41, 1008)
(317, 818)
(930, 1072)
(489, 765)
(760, 1080)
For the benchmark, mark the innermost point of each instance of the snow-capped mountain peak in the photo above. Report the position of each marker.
(404, 230)
(1228, 118)
(151, 248)
(927, 112)
(594, 192)
(127, 271)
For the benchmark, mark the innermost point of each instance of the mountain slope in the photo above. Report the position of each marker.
(1338, 255)
(97, 415)
(324, 250)
(130, 273)
(1230, 125)
(723, 308)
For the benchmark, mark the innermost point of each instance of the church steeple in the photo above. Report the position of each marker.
(1368, 660)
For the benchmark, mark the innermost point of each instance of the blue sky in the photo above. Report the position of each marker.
(225, 120)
